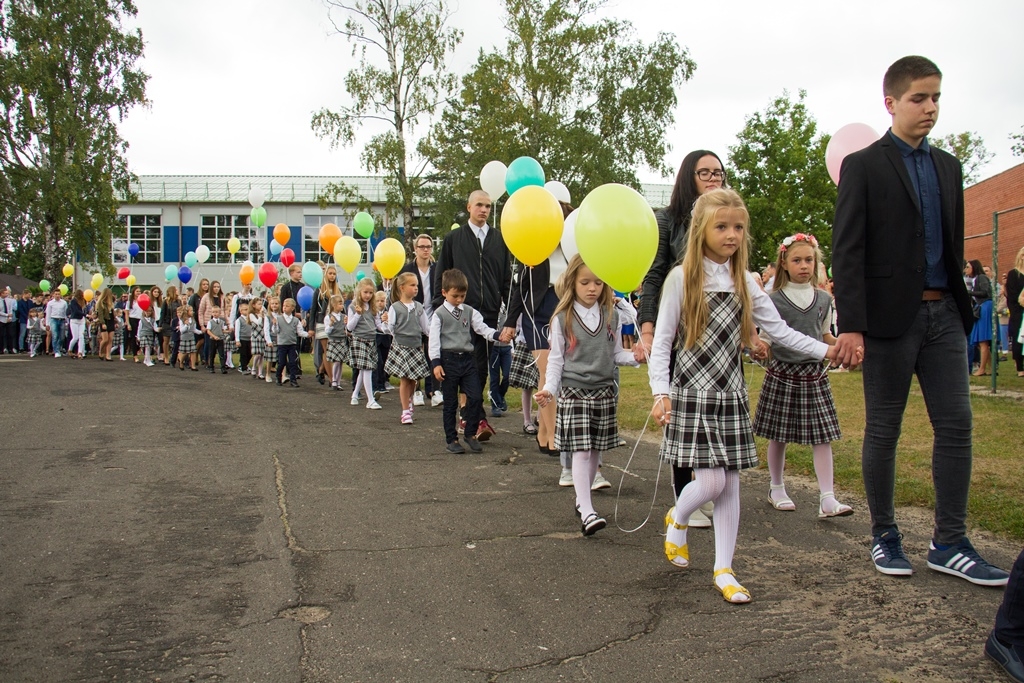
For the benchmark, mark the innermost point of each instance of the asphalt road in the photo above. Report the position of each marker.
(158, 525)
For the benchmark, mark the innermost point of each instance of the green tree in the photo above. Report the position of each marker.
(778, 165)
(67, 70)
(401, 79)
(1017, 143)
(581, 94)
(969, 149)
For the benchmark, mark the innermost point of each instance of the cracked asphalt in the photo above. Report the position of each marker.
(158, 525)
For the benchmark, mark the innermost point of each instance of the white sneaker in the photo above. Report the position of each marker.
(417, 398)
(373, 405)
(699, 519)
(566, 478)
(600, 483)
(708, 509)
(354, 401)
(148, 363)
(270, 379)
(437, 399)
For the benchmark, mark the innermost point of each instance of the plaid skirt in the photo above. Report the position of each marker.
(187, 345)
(337, 351)
(118, 335)
(586, 420)
(709, 429)
(34, 337)
(524, 373)
(259, 342)
(796, 405)
(364, 354)
(406, 362)
(146, 338)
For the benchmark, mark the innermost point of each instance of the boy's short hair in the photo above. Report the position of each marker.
(287, 301)
(905, 71)
(454, 280)
(295, 267)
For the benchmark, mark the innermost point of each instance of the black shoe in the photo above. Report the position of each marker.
(1006, 656)
(223, 371)
(456, 447)
(294, 384)
(474, 445)
(212, 371)
(592, 524)
(278, 382)
(320, 377)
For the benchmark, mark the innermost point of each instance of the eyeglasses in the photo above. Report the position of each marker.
(706, 174)
(424, 246)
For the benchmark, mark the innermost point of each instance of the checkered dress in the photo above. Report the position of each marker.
(118, 332)
(710, 422)
(259, 342)
(364, 354)
(187, 342)
(586, 419)
(146, 336)
(338, 351)
(524, 373)
(35, 334)
(796, 405)
(406, 362)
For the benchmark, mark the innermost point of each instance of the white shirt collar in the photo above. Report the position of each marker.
(718, 276)
(591, 317)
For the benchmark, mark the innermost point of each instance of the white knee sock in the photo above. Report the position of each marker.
(527, 407)
(706, 485)
(823, 469)
(584, 466)
(336, 375)
(366, 379)
(147, 358)
(727, 519)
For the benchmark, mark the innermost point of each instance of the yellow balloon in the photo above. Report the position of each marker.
(87, 295)
(68, 270)
(97, 280)
(130, 280)
(389, 257)
(348, 253)
(531, 224)
(234, 244)
(617, 235)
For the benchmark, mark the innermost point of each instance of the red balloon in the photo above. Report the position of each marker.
(287, 257)
(268, 274)
(143, 301)
(123, 272)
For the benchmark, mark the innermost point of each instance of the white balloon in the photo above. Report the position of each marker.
(569, 247)
(202, 253)
(256, 197)
(492, 179)
(560, 191)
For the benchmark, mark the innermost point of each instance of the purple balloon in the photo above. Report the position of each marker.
(305, 298)
(184, 274)
(133, 249)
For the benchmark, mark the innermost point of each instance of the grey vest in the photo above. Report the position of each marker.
(591, 363)
(807, 321)
(456, 333)
(366, 328)
(287, 333)
(406, 325)
(338, 330)
(216, 326)
(244, 329)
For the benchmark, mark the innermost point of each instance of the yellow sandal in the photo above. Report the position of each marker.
(672, 551)
(730, 591)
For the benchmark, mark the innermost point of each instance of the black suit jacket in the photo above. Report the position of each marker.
(878, 258)
(411, 267)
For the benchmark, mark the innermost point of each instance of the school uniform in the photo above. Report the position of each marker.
(243, 338)
(256, 335)
(364, 339)
(147, 337)
(289, 330)
(407, 323)
(523, 373)
(216, 327)
(337, 338)
(34, 334)
(186, 337)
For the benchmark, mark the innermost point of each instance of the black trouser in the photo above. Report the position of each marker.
(172, 346)
(10, 336)
(131, 336)
(287, 354)
(1010, 617)
(380, 379)
(215, 348)
(244, 353)
(460, 373)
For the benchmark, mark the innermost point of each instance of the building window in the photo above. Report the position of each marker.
(142, 229)
(216, 231)
(311, 248)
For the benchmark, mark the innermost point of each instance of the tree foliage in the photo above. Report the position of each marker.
(778, 166)
(969, 149)
(1017, 143)
(67, 69)
(581, 94)
(402, 77)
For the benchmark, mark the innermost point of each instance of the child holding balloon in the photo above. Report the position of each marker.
(270, 330)
(363, 326)
(337, 339)
(708, 309)
(408, 323)
(147, 334)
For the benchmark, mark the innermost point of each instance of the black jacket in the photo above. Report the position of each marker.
(488, 270)
(411, 267)
(671, 241)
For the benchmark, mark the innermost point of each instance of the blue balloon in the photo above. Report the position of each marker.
(276, 247)
(133, 249)
(522, 172)
(305, 298)
(184, 274)
(312, 273)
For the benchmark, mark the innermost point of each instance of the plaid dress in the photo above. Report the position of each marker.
(796, 405)
(259, 342)
(146, 337)
(118, 331)
(586, 419)
(187, 336)
(524, 373)
(710, 421)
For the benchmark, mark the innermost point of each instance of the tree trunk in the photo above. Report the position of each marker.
(50, 256)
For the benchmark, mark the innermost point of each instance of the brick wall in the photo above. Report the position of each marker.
(1003, 191)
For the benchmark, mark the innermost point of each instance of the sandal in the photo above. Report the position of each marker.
(530, 429)
(729, 592)
(841, 510)
(783, 504)
(679, 555)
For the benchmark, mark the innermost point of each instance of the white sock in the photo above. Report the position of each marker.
(776, 465)
(147, 355)
(582, 478)
(527, 407)
(706, 485)
(823, 469)
(336, 375)
(366, 379)
(727, 524)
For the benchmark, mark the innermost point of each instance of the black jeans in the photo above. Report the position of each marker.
(460, 373)
(287, 354)
(244, 353)
(1010, 617)
(215, 348)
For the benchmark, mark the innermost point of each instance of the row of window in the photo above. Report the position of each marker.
(215, 232)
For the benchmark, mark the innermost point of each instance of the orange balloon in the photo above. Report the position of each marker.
(246, 274)
(281, 234)
(329, 236)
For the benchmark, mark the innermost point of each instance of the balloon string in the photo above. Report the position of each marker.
(625, 471)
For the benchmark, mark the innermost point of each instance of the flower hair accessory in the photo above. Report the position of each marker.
(799, 237)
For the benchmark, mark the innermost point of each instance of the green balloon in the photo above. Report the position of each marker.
(258, 216)
(44, 285)
(363, 224)
(63, 289)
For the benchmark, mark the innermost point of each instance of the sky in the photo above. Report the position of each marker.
(233, 84)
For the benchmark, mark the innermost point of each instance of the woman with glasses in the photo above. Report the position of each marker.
(422, 266)
(700, 172)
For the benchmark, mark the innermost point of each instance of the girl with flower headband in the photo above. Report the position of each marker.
(796, 404)
(708, 309)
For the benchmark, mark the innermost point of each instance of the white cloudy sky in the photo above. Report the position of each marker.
(234, 83)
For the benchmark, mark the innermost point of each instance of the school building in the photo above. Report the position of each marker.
(175, 214)
(999, 193)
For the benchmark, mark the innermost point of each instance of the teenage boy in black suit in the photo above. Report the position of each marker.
(898, 245)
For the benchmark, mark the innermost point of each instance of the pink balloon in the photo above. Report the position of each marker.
(852, 137)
